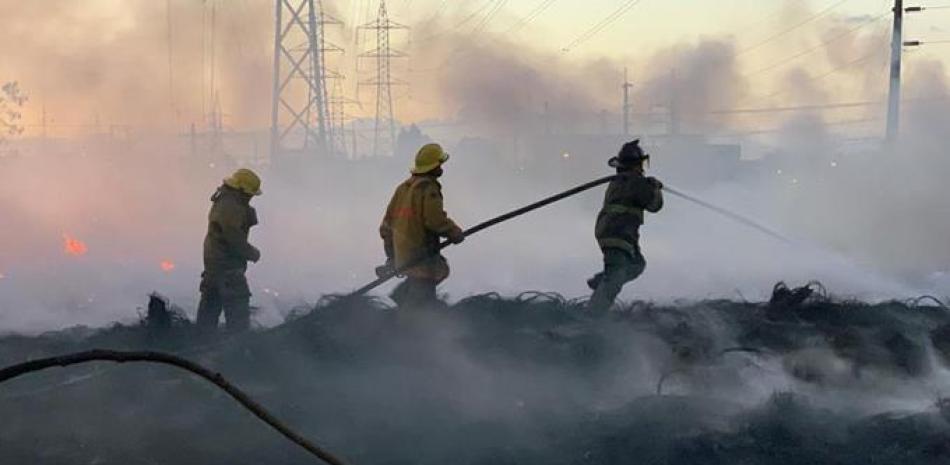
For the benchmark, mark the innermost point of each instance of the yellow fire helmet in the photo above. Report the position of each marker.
(245, 181)
(429, 157)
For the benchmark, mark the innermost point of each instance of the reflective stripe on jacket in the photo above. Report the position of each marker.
(619, 221)
(414, 221)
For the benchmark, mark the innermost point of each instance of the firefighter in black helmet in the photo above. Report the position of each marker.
(618, 225)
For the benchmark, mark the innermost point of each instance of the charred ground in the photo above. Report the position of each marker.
(802, 379)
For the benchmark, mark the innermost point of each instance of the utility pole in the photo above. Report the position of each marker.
(626, 103)
(338, 117)
(894, 95)
(300, 67)
(384, 130)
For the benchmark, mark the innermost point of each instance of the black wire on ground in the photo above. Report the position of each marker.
(217, 379)
(483, 226)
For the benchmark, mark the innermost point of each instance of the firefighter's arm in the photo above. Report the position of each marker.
(436, 219)
(231, 221)
(655, 201)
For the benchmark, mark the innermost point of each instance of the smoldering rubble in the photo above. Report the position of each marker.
(804, 378)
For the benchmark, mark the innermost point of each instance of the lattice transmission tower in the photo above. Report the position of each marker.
(384, 129)
(300, 114)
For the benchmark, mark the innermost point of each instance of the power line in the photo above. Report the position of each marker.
(828, 73)
(825, 106)
(458, 25)
(778, 11)
(821, 45)
(475, 14)
(603, 24)
(499, 5)
(776, 130)
(531, 16)
(792, 28)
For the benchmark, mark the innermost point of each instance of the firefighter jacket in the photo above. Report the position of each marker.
(414, 221)
(619, 221)
(230, 220)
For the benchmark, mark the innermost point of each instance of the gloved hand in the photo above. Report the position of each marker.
(656, 182)
(456, 236)
(386, 269)
(255, 255)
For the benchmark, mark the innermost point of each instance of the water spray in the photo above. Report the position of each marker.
(728, 214)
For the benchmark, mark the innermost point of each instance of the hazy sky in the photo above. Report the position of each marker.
(86, 59)
(653, 23)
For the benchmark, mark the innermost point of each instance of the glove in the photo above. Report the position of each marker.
(386, 269)
(456, 236)
(255, 254)
(656, 182)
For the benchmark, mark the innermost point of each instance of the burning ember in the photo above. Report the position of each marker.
(73, 246)
(167, 266)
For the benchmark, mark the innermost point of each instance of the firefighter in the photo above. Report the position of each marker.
(414, 222)
(618, 226)
(226, 253)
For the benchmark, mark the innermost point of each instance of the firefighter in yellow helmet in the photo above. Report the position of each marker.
(414, 222)
(226, 253)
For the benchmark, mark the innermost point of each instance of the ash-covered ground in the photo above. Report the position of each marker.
(491, 380)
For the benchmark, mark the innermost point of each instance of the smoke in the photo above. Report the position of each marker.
(110, 62)
(866, 220)
(693, 79)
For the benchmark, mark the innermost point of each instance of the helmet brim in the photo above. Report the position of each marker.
(234, 184)
(616, 162)
(431, 166)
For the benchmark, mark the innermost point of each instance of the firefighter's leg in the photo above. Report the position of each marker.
(619, 268)
(209, 307)
(236, 299)
(237, 314)
(420, 293)
(399, 292)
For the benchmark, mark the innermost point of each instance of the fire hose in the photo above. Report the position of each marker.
(388, 274)
(259, 411)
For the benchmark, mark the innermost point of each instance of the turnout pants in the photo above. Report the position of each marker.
(620, 267)
(225, 291)
(418, 290)
(416, 293)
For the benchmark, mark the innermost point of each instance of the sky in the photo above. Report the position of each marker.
(83, 60)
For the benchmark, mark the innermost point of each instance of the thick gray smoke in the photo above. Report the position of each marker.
(139, 199)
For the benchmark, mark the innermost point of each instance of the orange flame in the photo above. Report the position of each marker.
(167, 266)
(73, 246)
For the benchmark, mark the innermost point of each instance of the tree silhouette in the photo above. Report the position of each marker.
(12, 100)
